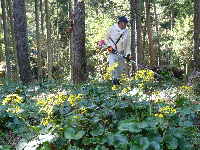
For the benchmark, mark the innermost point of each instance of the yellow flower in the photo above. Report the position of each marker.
(145, 75)
(17, 109)
(83, 110)
(159, 115)
(8, 110)
(185, 87)
(114, 87)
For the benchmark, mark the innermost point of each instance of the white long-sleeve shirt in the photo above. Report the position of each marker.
(114, 33)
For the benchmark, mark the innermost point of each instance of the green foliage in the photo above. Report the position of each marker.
(98, 115)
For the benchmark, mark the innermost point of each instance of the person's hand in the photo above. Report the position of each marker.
(128, 57)
(111, 50)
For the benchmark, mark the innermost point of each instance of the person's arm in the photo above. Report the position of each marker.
(107, 37)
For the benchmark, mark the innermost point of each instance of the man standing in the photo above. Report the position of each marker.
(118, 38)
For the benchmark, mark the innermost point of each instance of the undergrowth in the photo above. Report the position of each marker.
(140, 113)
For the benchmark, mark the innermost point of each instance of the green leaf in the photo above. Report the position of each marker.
(6, 147)
(184, 144)
(47, 146)
(95, 119)
(144, 142)
(197, 107)
(21, 144)
(154, 145)
(29, 135)
(97, 132)
(188, 123)
(70, 134)
(132, 127)
(120, 140)
(172, 142)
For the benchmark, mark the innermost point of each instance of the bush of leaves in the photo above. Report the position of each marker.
(140, 113)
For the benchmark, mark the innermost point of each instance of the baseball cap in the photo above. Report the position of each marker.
(123, 19)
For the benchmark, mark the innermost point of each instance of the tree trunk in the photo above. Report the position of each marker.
(172, 15)
(58, 37)
(71, 37)
(42, 17)
(39, 61)
(80, 60)
(13, 40)
(132, 5)
(22, 41)
(139, 50)
(157, 34)
(1, 53)
(7, 52)
(196, 36)
(49, 48)
(150, 39)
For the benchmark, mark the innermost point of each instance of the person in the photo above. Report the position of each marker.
(118, 38)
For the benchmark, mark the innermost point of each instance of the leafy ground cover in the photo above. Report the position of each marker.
(140, 114)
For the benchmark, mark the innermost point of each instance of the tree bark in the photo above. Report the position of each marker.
(39, 61)
(157, 35)
(42, 17)
(132, 12)
(22, 41)
(49, 48)
(139, 50)
(150, 39)
(71, 37)
(1, 53)
(80, 60)
(58, 37)
(196, 36)
(13, 40)
(7, 51)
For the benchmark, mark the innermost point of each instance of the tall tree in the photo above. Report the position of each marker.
(139, 50)
(157, 34)
(80, 60)
(132, 4)
(1, 53)
(7, 53)
(42, 17)
(196, 36)
(150, 38)
(10, 12)
(49, 48)
(22, 40)
(58, 33)
(71, 37)
(39, 61)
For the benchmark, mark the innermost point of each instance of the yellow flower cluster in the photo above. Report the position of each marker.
(145, 75)
(83, 110)
(167, 110)
(45, 121)
(185, 87)
(114, 87)
(126, 89)
(158, 100)
(73, 98)
(108, 74)
(47, 106)
(159, 115)
(49, 103)
(13, 99)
